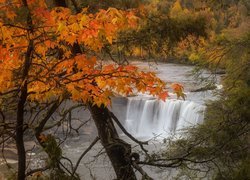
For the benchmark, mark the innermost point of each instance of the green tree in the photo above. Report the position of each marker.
(219, 148)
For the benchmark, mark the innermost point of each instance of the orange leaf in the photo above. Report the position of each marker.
(178, 90)
(177, 87)
(43, 138)
(163, 95)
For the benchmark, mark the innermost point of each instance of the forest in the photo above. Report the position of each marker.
(124, 89)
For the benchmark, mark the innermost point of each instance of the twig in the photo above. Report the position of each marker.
(83, 154)
(143, 173)
(171, 165)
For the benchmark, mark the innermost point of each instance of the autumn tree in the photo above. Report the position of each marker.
(47, 56)
(162, 26)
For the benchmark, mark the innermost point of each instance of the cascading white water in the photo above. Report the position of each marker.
(149, 117)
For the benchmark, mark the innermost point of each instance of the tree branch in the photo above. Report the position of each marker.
(124, 130)
(143, 173)
(84, 153)
(141, 143)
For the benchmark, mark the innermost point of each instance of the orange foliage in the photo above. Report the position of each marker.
(43, 138)
(55, 70)
(178, 89)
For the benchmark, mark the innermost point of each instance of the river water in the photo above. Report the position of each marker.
(143, 116)
(146, 118)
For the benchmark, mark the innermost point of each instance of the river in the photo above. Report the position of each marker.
(146, 118)
(143, 116)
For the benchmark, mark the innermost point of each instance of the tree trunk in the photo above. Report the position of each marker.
(19, 136)
(20, 115)
(117, 150)
(21, 103)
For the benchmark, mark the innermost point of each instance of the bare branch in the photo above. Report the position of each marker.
(84, 153)
(143, 173)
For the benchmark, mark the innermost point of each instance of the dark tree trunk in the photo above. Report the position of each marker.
(19, 136)
(20, 116)
(21, 103)
(117, 150)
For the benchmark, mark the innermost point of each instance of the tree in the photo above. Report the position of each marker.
(162, 26)
(218, 149)
(47, 57)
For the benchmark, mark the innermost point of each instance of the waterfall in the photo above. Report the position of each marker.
(149, 117)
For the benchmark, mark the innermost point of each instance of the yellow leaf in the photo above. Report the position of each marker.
(110, 39)
(60, 27)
